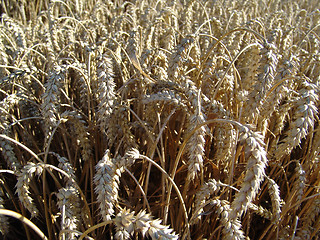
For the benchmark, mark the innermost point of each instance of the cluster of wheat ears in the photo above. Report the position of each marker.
(141, 119)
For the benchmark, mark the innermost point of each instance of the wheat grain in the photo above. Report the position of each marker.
(126, 223)
(153, 228)
(3, 59)
(266, 75)
(167, 96)
(224, 141)
(177, 57)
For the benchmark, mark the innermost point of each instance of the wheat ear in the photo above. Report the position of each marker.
(303, 122)
(106, 179)
(50, 98)
(196, 142)
(126, 223)
(69, 205)
(256, 163)
(24, 178)
(231, 227)
(6, 147)
(4, 222)
(106, 91)
(274, 193)
(202, 195)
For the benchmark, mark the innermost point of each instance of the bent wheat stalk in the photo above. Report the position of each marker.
(24, 220)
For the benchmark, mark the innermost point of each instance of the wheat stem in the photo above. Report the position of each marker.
(23, 220)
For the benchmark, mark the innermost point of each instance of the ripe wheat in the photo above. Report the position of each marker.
(159, 119)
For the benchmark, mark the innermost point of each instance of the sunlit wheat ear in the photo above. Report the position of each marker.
(256, 158)
(69, 206)
(127, 223)
(251, 63)
(176, 58)
(274, 193)
(186, 18)
(49, 51)
(237, 38)
(106, 90)
(224, 137)
(202, 195)
(281, 114)
(145, 224)
(129, 139)
(267, 71)
(299, 183)
(124, 224)
(22, 186)
(3, 59)
(196, 143)
(231, 227)
(160, 68)
(276, 96)
(9, 155)
(106, 180)
(51, 98)
(128, 159)
(166, 96)
(303, 120)
(82, 84)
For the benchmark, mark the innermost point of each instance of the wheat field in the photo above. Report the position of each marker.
(141, 119)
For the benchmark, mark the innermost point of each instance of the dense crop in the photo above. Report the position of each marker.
(187, 119)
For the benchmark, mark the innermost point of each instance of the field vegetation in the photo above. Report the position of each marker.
(141, 119)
